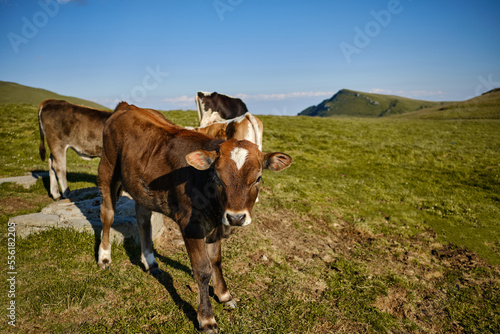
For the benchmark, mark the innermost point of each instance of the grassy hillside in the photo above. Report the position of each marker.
(486, 106)
(11, 92)
(379, 226)
(358, 104)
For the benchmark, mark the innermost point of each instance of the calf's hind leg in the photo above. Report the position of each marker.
(143, 217)
(57, 167)
(54, 188)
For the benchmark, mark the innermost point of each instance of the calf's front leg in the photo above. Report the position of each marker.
(220, 287)
(109, 190)
(202, 270)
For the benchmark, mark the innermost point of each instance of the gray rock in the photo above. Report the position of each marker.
(27, 180)
(82, 213)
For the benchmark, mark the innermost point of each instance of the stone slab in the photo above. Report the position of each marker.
(82, 213)
(26, 180)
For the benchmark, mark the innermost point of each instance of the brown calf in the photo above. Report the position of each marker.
(246, 127)
(206, 185)
(68, 125)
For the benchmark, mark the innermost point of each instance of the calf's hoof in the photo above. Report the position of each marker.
(103, 265)
(208, 325)
(66, 193)
(155, 272)
(231, 304)
(210, 329)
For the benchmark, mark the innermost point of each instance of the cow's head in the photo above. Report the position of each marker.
(207, 108)
(237, 167)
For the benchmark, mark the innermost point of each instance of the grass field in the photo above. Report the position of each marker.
(379, 226)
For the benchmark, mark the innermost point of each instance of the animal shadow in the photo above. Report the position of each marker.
(88, 201)
(134, 253)
(70, 176)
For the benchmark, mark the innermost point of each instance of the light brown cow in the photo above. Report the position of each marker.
(245, 127)
(68, 125)
(207, 185)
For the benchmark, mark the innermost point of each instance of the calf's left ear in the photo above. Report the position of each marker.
(201, 160)
(277, 161)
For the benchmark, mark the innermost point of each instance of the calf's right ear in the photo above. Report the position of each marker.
(201, 160)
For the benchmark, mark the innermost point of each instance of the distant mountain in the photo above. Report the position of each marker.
(11, 92)
(485, 106)
(358, 104)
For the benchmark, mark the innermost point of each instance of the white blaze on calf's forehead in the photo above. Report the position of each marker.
(239, 156)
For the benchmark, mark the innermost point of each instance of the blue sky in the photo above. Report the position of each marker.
(279, 56)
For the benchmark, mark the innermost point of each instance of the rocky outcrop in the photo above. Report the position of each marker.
(82, 213)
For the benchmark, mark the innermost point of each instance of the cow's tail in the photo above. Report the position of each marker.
(256, 128)
(41, 149)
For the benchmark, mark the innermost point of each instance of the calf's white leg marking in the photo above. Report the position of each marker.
(239, 156)
(104, 255)
(148, 260)
(54, 188)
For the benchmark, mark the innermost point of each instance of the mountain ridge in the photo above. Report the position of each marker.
(11, 92)
(359, 104)
(484, 106)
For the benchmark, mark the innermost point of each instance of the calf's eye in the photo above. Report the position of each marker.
(218, 181)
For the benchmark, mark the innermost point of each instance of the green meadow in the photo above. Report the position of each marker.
(387, 225)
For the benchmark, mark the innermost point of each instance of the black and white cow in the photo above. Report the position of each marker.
(216, 108)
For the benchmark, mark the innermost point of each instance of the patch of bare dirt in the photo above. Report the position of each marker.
(421, 260)
(457, 257)
(12, 204)
(299, 237)
(170, 241)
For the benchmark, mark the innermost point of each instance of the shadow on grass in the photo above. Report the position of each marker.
(134, 253)
(70, 177)
(167, 281)
(131, 246)
(82, 177)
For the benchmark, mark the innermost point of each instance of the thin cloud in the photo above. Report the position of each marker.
(411, 94)
(81, 2)
(380, 91)
(426, 93)
(183, 100)
(186, 100)
(283, 96)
